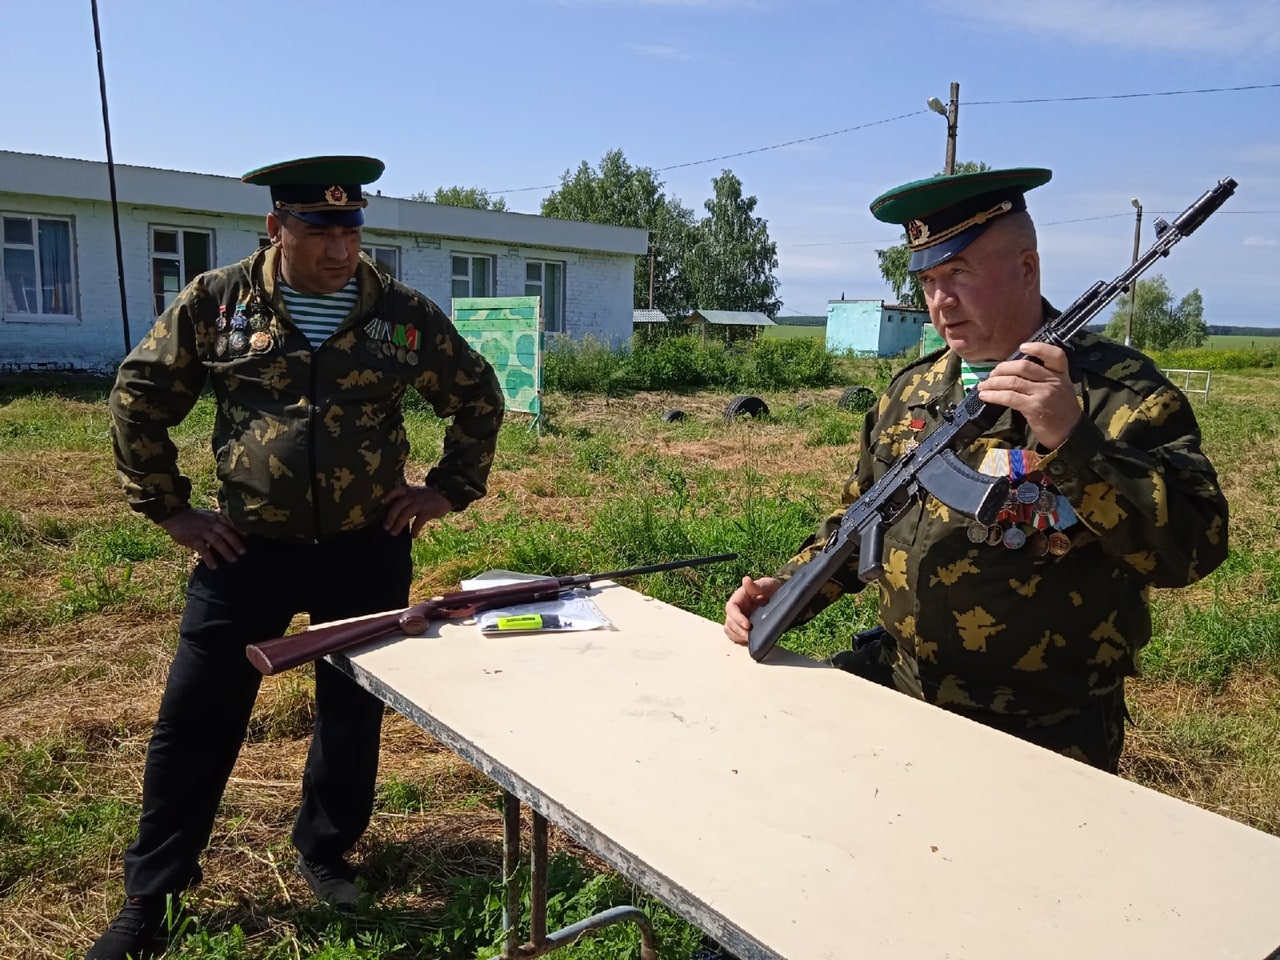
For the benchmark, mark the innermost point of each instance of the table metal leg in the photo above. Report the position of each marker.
(540, 942)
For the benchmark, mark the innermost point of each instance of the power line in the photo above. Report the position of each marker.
(1126, 96)
(743, 153)
(914, 113)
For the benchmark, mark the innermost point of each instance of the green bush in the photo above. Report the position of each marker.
(686, 363)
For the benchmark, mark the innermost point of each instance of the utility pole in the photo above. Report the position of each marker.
(1133, 287)
(952, 112)
(650, 273)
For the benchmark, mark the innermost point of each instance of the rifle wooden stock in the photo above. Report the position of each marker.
(284, 653)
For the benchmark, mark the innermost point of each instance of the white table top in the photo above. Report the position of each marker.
(794, 810)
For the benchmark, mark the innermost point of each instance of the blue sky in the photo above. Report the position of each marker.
(508, 94)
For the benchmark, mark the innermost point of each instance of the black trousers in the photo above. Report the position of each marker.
(211, 688)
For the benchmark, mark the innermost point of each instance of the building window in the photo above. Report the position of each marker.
(546, 280)
(472, 275)
(177, 258)
(386, 257)
(36, 271)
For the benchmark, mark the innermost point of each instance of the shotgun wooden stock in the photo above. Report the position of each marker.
(284, 653)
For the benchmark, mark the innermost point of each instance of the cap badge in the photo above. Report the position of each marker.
(917, 231)
(336, 195)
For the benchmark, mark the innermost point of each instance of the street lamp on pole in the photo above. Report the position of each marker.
(1133, 288)
(952, 112)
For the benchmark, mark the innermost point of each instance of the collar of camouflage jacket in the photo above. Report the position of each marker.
(264, 272)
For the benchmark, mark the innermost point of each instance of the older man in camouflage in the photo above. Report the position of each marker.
(1032, 623)
(309, 348)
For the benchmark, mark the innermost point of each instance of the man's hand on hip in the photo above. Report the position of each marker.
(413, 507)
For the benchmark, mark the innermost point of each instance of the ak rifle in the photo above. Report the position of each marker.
(933, 468)
(284, 653)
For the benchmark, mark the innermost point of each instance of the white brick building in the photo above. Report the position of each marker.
(59, 288)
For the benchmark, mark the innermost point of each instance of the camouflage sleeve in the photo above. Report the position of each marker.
(157, 385)
(460, 384)
(1134, 472)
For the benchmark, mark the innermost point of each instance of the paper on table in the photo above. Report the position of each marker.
(570, 612)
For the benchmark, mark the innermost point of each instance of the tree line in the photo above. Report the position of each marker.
(723, 260)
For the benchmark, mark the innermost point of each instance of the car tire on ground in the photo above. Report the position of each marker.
(857, 398)
(746, 406)
(673, 416)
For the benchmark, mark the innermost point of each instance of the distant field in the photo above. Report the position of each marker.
(1216, 342)
(1234, 341)
(785, 331)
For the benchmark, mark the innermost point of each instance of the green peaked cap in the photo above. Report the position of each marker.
(945, 214)
(326, 191)
(317, 172)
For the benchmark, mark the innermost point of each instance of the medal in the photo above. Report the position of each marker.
(1046, 501)
(220, 346)
(1027, 492)
(239, 321)
(1059, 543)
(977, 532)
(1039, 544)
(221, 322)
(260, 342)
(411, 358)
(1014, 538)
(238, 342)
(995, 535)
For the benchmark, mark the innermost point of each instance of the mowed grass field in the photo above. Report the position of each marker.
(91, 595)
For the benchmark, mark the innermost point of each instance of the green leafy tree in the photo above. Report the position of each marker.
(616, 193)
(732, 261)
(462, 197)
(1158, 322)
(894, 260)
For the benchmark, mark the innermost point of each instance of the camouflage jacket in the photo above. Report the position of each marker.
(306, 442)
(1029, 630)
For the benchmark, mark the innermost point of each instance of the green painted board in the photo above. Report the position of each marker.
(507, 331)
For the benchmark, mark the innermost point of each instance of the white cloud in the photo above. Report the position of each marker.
(1245, 27)
(660, 51)
(1257, 240)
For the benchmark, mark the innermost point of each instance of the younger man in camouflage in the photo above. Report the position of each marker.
(309, 349)
(1032, 624)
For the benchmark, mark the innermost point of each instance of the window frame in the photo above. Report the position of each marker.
(366, 248)
(179, 258)
(73, 292)
(551, 324)
(471, 259)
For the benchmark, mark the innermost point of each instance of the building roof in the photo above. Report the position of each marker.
(36, 174)
(649, 316)
(731, 318)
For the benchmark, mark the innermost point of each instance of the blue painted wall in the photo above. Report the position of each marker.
(869, 328)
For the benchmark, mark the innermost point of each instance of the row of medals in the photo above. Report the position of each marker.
(244, 336)
(1031, 503)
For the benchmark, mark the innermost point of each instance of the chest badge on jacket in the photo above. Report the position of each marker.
(1034, 513)
(240, 335)
(399, 340)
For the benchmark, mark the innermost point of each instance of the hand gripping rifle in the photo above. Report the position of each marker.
(933, 468)
(284, 653)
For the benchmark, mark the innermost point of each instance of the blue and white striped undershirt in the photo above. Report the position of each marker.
(972, 374)
(318, 315)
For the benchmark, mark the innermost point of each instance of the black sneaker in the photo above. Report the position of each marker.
(332, 882)
(134, 933)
